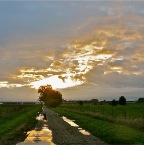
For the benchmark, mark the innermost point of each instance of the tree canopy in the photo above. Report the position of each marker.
(50, 97)
(114, 102)
(122, 100)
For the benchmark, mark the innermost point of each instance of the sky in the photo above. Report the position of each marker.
(84, 49)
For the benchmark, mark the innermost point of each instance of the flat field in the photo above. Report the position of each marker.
(114, 125)
(15, 121)
(130, 111)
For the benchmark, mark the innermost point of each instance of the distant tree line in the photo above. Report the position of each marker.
(122, 101)
(140, 100)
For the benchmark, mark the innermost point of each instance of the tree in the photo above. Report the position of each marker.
(81, 103)
(122, 100)
(140, 100)
(50, 97)
(114, 102)
(94, 101)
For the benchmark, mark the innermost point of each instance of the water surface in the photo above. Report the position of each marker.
(72, 123)
(40, 135)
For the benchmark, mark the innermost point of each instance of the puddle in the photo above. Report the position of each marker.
(72, 123)
(41, 135)
(84, 132)
(69, 121)
(40, 117)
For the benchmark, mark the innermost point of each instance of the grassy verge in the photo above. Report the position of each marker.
(129, 111)
(109, 132)
(131, 115)
(14, 127)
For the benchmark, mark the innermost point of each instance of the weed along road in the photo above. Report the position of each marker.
(57, 130)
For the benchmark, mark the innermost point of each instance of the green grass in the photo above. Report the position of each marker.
(15, 120)
(131, 115)
(109, 132)
(132, 110)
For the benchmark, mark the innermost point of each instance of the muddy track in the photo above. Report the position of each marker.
(64, 134)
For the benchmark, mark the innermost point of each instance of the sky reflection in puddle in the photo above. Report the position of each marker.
(72, 123)
(42, 136)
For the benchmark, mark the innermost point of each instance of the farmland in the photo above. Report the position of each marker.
(15, 120)
(113, 124)
(130, 114)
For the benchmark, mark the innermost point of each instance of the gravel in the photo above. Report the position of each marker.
(64, 134)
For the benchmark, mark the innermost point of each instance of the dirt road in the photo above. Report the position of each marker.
(65, 134)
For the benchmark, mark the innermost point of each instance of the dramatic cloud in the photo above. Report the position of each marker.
(82, 46)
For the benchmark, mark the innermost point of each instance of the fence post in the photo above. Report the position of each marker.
(125, 114)
(112, 112)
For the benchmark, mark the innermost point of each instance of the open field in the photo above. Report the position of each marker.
(131, 115)
(133, 111)
(15, 120)
(111, 126)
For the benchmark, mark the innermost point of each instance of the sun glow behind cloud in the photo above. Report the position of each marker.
(72, 68)
(69, 70)
(79, 58)
(5, 84)
(110, 47)
(56, 82)
(86, 46)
